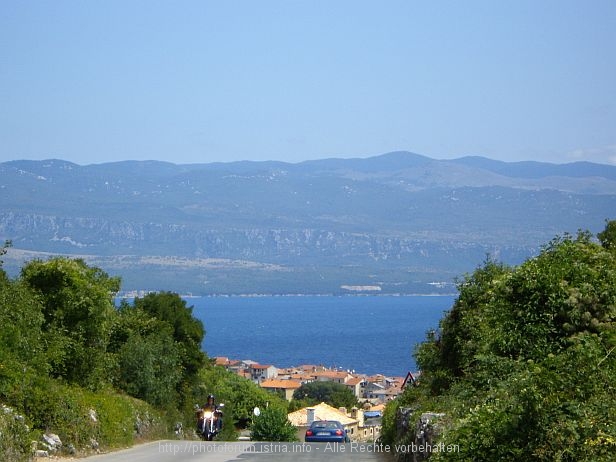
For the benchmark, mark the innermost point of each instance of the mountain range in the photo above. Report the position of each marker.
(397, 223)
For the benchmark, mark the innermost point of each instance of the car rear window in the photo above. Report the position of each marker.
(325, 424)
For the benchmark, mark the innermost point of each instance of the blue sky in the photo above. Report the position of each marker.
(202, 81)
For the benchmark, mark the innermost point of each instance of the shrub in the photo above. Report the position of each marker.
(524, 364)
(273, 425)
(14, 436)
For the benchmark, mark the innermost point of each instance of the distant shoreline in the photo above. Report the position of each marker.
(130, 295)
(328, 295)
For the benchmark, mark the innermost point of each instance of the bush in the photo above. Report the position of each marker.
(149, 368)
(14, 436)
(273, 425)
(524, 364)
(77, 305)
(83, 418)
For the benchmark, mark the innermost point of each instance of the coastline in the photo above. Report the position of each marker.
(135, 294)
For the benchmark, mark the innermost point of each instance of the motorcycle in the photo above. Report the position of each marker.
(209, 423)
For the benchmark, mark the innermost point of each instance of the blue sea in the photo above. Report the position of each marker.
(372, 334)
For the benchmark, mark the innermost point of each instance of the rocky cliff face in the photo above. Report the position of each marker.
(101, 236)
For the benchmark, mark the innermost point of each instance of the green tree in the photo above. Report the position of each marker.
(569, 288)
(332, 393)
(187, 330)
(78, 310)
(272, 425)
(150, 369)
(3, 250)
(464, 331)
(148, 357)
(22, 354)
(607, 237)
(59, 330)
(523, 363)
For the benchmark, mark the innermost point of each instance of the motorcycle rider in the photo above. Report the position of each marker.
(210, 406)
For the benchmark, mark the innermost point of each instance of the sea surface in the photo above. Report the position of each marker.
(372, 334)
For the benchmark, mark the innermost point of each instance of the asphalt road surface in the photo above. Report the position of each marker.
(193, 451)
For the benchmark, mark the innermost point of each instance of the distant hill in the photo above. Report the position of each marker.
(402, 222)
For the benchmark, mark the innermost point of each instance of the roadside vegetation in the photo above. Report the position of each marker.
(100, 376)
(523, 366)
(272, 425)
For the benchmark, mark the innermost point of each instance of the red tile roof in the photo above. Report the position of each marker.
(276, 383)
(332, 374)
(261, 366)
(354, 381)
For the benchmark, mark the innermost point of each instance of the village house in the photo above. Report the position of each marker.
(394, 382)
(371, 428)
(378, 394)
(244, 374)
(393, 393)
(376, 410)
(286, 387)
(354, 384)
(373, 390)
(354, 422)
(260, 372)
(311, 368)
(303, 418)
(378, 378)
(247, 363)
(303, 378)
(333, 376)
(221, 361)
(286, 372)
(233, 365)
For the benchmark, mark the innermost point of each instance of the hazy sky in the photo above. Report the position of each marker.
(201, 81)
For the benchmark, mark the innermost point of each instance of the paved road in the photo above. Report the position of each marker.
(193, 451)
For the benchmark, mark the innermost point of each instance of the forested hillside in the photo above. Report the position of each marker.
(100, 376)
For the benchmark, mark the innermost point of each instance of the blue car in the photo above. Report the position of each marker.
(326, 431)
